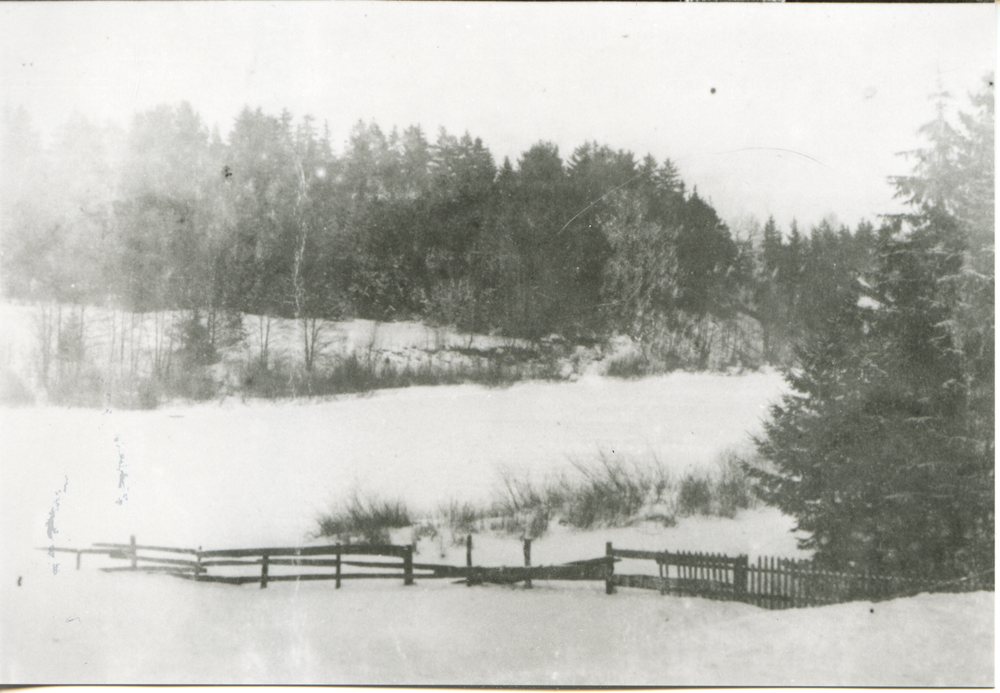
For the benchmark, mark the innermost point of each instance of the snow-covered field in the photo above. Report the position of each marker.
(211, 474)
(95, 627)
(256, 474)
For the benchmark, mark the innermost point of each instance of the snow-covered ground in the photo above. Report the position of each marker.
(107, 333)
(94, 627)
(256, 474)
(211, 474)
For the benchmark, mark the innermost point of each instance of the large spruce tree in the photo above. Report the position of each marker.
(884, 451)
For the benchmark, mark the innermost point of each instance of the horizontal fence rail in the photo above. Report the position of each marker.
(770, 583)
(351, 549)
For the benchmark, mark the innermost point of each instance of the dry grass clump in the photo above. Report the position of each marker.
(368, 518)
(522, 507)
(462, 518)
(617, 491)
(722, 493)
(614, 491)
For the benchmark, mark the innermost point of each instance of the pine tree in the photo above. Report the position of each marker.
(767, 296)
(884, 451)
(705, 255)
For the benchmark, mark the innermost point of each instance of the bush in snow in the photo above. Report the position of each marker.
(695, 495)
(462, 519)
(723, 493)
(631, 365)
(523, 508)
(617, 492)
(733, 486)
(612, 493)
(366, 518)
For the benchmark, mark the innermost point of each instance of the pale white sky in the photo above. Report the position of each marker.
(811, 104)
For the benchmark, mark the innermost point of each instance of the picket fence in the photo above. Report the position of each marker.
(770, 583)
(779, 583)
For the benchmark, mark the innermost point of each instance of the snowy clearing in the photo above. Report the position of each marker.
(255, 474)
(95, 627)
(261, 472)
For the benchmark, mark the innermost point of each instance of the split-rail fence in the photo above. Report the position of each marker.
(771, 583)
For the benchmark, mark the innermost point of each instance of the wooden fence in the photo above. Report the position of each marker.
(780, 583)
(683, 573)
(203, 566)
(776, 583)
(771, 583)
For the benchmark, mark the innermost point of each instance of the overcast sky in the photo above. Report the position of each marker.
(811, 102)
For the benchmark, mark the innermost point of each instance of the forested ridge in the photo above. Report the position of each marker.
(167, 215)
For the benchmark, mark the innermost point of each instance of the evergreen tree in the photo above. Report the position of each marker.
(705, 255)
(161, 256)
(884, 451)
(415, 161)
(770, 309)
(260, 189)
(639, 288)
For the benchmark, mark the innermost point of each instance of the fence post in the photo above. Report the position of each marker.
(527, 562)
(740, 570)
(468, 561)
(133, 557)
(338, 567)
(408, 565)
(263, 572)
(609, 583)
(663, 571)
(77, 560)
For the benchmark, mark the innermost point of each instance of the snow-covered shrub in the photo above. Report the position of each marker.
(723, 493)
(81, 385)
(611, 494)
(366, 518)
(191, 383)
(695, 494)
(146, 394)
(630, 365)
(733, 487)
(197, 347)
(258, 380)
(462, 519)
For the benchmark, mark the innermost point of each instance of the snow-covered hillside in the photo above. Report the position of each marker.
(256, 474)
(114, 342)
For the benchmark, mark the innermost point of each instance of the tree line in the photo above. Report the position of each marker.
(167, 216)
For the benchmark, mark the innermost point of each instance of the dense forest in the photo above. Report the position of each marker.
(167, 216)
